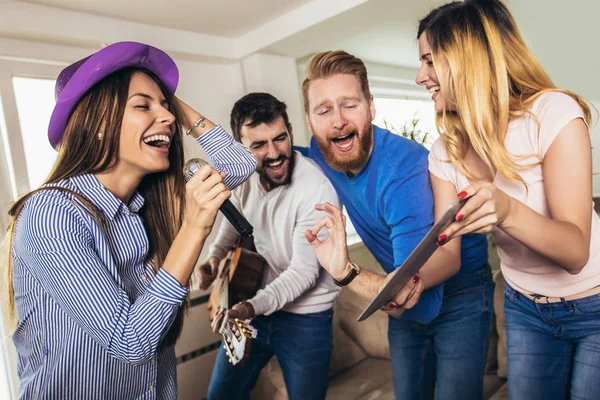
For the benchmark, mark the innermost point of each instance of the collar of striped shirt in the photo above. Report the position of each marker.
(90, 187)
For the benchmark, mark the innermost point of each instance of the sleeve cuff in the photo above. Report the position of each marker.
(168, 289)
(259, 303)
(214, 140)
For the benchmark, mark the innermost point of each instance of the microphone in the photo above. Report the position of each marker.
(241, 224)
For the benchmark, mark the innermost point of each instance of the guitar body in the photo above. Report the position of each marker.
(238, 280)
(243, 268)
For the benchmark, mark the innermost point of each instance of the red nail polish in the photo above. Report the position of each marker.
(416, 279)
(459, 217)
(462, 195)
(392, 305)
(442, 238)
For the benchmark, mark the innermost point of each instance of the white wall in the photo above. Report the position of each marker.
(278, 76)
(595, 135)
(564, 38)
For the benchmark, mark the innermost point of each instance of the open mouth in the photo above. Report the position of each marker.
(434, 91)
(159, 142)
(275, 165)
(344, 143)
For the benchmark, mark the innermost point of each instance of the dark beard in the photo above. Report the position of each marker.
(288, 178)
(365, 141)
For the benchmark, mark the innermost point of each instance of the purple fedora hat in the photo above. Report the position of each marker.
(75, 80)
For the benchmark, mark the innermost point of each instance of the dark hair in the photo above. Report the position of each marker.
(469, 12)
(259, 108)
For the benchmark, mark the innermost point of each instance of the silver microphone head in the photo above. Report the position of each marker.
(191, 167)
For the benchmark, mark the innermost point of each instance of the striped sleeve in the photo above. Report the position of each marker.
(228, 156)
(168, 289)
(55, 245)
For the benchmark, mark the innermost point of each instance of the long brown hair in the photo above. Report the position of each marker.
(491, 77)
(80, 152)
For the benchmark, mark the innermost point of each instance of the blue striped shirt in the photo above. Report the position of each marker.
(91, 309)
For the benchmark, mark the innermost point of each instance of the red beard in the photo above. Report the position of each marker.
(354, 159)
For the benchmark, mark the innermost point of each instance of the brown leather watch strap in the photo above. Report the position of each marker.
(350, 277)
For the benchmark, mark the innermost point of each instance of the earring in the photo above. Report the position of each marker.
(100, 135)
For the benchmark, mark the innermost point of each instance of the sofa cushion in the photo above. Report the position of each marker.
(371, 334)
(491, 384)
(501, 394)
(346, 352)
(500, 324)
(370, 379)
(491, 365)
(270, 383)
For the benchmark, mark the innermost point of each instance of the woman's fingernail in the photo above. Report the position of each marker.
(442, 238)
(416, 279)
(392, 305)
(462, 195)
(459, 217)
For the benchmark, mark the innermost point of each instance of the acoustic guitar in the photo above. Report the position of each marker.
(238, 280)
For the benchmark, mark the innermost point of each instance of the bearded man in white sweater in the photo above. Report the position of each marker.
(292, 311)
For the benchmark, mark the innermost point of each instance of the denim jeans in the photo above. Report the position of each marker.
(553, 349)
(302, 344)
(447, 356)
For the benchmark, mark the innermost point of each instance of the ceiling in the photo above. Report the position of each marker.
(379, 31)
(383, 31)
(225, 18)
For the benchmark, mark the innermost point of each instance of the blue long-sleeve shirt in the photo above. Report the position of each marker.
(91, 309)
(390, 204)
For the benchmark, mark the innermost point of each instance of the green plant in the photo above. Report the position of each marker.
(410, 130)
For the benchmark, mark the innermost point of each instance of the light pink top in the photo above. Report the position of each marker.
(525, 270)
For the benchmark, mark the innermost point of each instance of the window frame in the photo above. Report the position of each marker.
(12, 141)
(14, 177)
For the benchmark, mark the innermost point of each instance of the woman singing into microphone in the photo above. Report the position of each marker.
(98, 259)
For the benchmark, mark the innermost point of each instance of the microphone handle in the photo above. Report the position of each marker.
(241, 224)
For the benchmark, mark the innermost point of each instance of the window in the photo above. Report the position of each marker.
(407, 116)
(410, 118)
(27, 100)
(35, 102)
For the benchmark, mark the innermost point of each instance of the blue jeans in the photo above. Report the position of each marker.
(302, 344)
(553, 349)
(446, 356)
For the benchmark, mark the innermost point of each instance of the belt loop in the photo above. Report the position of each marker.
(539, 299)
(514, 296)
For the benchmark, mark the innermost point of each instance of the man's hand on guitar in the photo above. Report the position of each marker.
(406, 298)
(241, 311)
(207, 272)
(217, 320)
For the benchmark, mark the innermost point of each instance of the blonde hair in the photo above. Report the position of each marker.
(491, 77)
(102, 110)
(329, 63)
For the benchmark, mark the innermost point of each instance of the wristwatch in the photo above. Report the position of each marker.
(354, 271)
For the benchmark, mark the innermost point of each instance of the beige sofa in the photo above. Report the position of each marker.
(360, 366)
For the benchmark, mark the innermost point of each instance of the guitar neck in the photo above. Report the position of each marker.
(224, 297)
